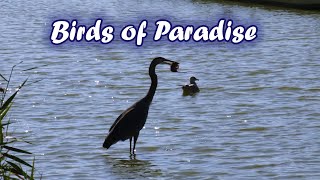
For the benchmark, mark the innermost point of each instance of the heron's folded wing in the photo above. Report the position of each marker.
(121, 117)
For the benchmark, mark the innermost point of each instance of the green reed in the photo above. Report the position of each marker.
(11, 165)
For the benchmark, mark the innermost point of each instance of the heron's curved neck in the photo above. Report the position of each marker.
(154, 83)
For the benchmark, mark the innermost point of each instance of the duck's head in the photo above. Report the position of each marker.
(193, 80)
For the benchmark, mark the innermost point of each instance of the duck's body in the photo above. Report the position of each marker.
(131, 121)
(192, 88)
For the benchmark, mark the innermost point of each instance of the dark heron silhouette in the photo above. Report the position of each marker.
(192, 88)
(132, 120)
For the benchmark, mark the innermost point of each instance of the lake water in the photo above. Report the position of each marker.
(256, 117)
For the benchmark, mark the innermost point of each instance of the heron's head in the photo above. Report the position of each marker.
(193, 80)
(160, 60)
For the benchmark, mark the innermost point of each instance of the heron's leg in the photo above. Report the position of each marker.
(134, 142)
(130, 144)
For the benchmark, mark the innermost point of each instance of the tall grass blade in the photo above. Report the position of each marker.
(17, 170)
(35, 67)
(16, 159)
(3, 77)
(3, 112)
(34, 82)
(6, 124)
(16, 150)
(9, 178)
(5, 90)
(9, 100)
(23, 83)
(32, 170)
(8, 142)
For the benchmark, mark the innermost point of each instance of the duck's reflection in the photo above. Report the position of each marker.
(132, 167)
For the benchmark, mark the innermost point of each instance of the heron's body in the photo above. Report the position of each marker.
(192, 88)
(126, 127)
(131, 121)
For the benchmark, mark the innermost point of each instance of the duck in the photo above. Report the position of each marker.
(192, 88)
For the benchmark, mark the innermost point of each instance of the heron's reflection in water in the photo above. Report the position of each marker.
(132, 168)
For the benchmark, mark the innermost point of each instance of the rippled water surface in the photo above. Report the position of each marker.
(256, 117)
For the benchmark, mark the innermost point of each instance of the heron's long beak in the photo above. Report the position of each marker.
(169, 62)
(197, 79)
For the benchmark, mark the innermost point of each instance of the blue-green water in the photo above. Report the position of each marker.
(256, 117)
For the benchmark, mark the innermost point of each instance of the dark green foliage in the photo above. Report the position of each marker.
(11, 166)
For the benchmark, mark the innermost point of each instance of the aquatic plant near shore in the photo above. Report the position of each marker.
(11, 166)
